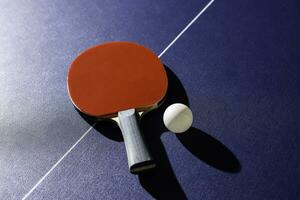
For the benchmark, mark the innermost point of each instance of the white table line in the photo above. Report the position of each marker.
(57, 163)
(90, 128)
(186, 28)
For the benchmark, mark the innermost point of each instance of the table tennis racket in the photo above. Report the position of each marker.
(117, 80)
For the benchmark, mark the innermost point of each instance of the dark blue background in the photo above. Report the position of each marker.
(237, 67)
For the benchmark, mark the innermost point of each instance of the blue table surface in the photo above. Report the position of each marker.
(237, 67)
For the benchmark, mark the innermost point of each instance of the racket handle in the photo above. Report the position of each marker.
(138, 155)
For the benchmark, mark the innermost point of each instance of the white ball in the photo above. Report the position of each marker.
(178, 118)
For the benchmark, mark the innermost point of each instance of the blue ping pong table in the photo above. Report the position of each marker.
(235, 63)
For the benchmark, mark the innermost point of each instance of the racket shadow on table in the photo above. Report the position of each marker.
(161, 182)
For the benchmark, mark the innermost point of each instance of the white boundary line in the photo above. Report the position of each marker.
(74, 145)
(57, 163)
(186, 28)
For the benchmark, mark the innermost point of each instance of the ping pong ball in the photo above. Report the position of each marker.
(178, 118)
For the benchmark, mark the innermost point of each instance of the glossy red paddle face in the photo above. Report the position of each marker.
(116, 76)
